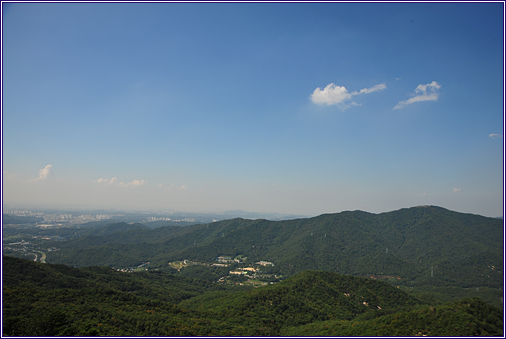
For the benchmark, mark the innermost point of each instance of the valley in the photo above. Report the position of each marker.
(432, 257)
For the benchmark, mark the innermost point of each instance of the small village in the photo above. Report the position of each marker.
(240, 272)
(33, 249)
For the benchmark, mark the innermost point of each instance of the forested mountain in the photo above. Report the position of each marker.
(413, 247)
(50, 300)
(306, 297)
(468, 317)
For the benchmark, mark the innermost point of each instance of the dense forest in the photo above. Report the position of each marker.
(413, 247)
(417, 271)
(58, 300)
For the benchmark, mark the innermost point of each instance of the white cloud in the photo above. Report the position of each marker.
(427, 92)
(106, 181)
(330, 95)
(46, 173)
(455, 190)
(433, 86)
(376, 88)
(183, 187)
(114, 180)
(495, 136)
(339, 95)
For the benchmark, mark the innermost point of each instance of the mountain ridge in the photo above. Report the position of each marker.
(419, 245)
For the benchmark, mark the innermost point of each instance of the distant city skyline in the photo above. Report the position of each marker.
(294, 108)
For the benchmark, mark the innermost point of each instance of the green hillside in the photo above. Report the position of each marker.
(468, 317)
(304, 298)
(49, 300)
(417, 246)
(57, 300)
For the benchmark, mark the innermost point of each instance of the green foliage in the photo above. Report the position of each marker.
(444, 294)
(436, 255)
(57, 300)
(307, 297)
(469, 317)
(47, 300)
(413, 247)
(201, 272)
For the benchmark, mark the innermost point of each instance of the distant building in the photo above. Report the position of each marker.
(224, 258)
(265, 263)
(251, 269)
(238, 272)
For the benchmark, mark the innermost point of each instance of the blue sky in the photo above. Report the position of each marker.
(293, 108)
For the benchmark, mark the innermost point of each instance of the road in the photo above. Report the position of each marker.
(43, 257)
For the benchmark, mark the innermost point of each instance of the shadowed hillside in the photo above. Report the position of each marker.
(57, 300)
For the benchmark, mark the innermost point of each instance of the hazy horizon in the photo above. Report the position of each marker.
(84, 208)
(291, 108)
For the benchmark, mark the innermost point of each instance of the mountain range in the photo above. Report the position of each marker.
(424, 245)
(412, 272)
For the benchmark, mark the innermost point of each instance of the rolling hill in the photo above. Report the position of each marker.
(417, 246)
(58, 300)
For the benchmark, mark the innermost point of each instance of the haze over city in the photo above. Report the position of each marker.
(301, 108)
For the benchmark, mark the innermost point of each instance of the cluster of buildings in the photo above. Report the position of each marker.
(57, 217)
(89, 217)
(21, 246)
(150, 219)
(227, 259)
(244, 271)
(23, 213)
(62, 217)
(66, 218)
(224, 261)
(134, 269)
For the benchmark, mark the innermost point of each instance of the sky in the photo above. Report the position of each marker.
(301, 108)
